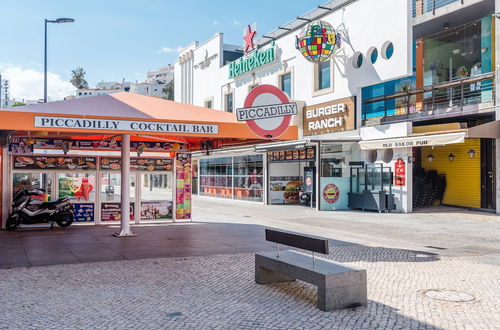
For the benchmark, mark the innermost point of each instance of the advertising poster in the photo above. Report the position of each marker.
(79, 189)
(84, 212)
(400, 172)
(183, 186)
(112, 211)
(333, 193)
(284, 189)
(307, 154)
(111, 144)
(54, 163)
(156, 210)
(309, 179)
(138, 164)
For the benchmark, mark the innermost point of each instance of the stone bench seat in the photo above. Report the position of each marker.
(338, 286)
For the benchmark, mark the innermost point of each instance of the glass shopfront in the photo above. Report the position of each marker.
(94, 185)
(239, 177)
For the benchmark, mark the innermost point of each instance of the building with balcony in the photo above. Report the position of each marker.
(444, 115)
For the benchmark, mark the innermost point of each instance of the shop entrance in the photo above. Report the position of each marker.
(460, 174)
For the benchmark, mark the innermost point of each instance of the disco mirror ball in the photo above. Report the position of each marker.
(318, 41)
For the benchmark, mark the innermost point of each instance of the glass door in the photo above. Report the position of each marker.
(110, 196)
(156, 196)
(80, 188)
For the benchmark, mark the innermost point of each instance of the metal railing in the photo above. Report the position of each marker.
(421, 7)
(449, 98)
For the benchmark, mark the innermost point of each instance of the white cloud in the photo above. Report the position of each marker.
(215, 22)
(169, 50)
(235, 22)
(27, 84)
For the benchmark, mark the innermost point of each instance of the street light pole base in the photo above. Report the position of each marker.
(125, 234)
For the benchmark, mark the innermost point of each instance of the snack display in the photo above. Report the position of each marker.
(52, 163)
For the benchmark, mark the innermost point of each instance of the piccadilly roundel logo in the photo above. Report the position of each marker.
(267, 111)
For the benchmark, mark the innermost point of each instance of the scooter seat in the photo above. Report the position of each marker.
(51, 204)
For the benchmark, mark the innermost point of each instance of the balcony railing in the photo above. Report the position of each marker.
(452, 98)
(421, 7)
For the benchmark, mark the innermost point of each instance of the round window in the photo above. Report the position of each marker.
(388, 154)
(373, 54)
(357, 60)
(387, 50)
(371, 156)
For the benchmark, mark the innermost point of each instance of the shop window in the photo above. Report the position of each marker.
(285, 83)
(111, 187)
(209, 103)
(156, 196)
(32, 181)
(215, 178)
(323, 77)
(388, 155)
(371, 156)
(228, 102)
(78, 187)
(248, 177)
(387, 50)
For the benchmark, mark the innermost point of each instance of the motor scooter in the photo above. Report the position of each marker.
(60, 211)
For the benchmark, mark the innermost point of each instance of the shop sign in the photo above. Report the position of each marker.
(206, 62)
(111, 144)
(414, 141)
(267, 111)
(20, 146)
(284, 189)
(156, 210)
(138, 164)
(399, 172)
(124, 125)
(183, 185)
(334, 193)
(303, 155)
(318, 41)
(253, 61)
(84, 212)
(113, 211)
(329, 117)
(54, 163)
(331, 193)
(309, 179)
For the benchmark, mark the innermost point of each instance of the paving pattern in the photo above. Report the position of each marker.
(218, 292)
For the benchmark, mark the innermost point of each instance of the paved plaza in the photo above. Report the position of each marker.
(425, 271)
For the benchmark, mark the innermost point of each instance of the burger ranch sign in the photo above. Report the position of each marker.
(329, 117)
(124, 125)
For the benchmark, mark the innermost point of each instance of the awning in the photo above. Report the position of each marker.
(489, 130)
(130, 113)
(414, 141)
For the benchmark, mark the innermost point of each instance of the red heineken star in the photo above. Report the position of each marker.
(249, 39)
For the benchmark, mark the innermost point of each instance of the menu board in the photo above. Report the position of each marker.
(54, 162)
(138, 164)
(284, 189)
(112, 211)
(84, 212)
(183, 186)
(305, 155)
(111, 144)
(156, 210)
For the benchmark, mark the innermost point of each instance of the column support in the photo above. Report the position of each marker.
(125, 189)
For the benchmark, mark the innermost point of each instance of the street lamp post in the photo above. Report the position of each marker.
(59, 20)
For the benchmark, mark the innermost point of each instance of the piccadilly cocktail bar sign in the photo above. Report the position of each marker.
(124, 125)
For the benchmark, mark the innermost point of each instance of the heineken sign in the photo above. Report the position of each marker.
(256, 59)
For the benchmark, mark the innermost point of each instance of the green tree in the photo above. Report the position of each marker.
(168, 90)
(18, 104)
(78, 78)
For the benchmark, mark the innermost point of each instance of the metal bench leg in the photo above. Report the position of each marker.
(264, 276)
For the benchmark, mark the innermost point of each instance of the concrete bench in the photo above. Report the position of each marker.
(338, 286)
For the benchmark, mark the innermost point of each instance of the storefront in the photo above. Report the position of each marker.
(100, 167)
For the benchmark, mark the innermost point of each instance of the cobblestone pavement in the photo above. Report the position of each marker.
(219, 292)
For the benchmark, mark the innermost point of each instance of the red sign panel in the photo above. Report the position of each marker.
(400, 172)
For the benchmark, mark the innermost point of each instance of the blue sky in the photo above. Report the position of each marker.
(112, 40)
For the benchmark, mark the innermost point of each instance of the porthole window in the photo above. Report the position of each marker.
(373, 55)
(387, 50)
(388, 155)
(357, 61)
(371, 156)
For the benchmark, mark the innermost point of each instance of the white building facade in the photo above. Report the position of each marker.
(374, 49)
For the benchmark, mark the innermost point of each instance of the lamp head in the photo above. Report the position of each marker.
(64, 20)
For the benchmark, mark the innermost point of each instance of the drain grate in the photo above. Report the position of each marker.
(449, 295)
(435, 247)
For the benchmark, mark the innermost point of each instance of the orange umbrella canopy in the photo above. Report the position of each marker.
(129, 113)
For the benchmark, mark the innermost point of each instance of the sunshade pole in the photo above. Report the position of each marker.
(125, 189)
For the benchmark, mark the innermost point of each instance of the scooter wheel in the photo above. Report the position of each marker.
(65, 219)
(12, 222)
